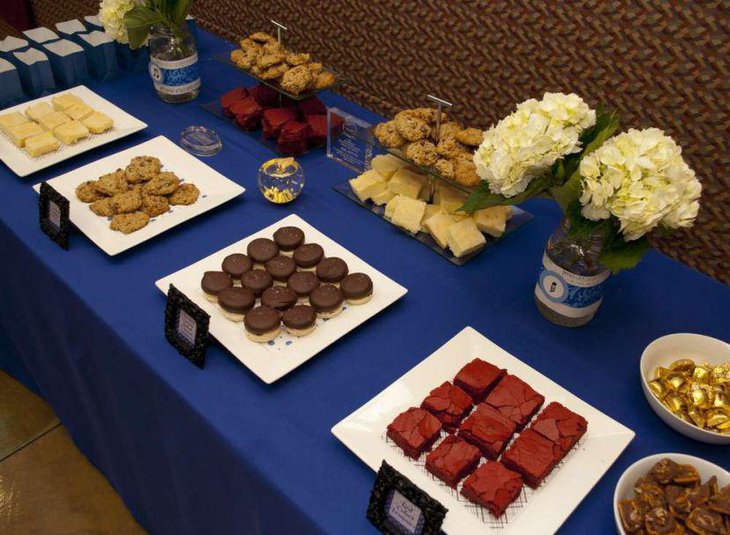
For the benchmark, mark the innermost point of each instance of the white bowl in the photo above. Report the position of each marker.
(625, 486)
(665, 350)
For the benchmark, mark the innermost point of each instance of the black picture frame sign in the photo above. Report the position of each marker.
(53, 215)
(186, 326)
(398, 507)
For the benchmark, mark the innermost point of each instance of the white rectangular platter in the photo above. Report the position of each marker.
(535, 511)
(273, 360)
(23, 165)
(215, 189)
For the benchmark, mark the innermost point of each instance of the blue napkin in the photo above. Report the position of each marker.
(70, 27)
(35, 72)
(11, 90)
(68, 62)
(40, 35)
(12, 44)
(101, 54)
(136, 60)
(93, 23)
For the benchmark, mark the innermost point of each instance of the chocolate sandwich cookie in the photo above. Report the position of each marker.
(261, 250)
(307, 256)
(235, 302)
(327, 300)
(281, 268)
(213, 283)
(288, 239)
(303, 282)
(236, 265)
(300, 320)
(262, 324)
(332, 270)
(279, 297)
(357, 288)
(257, 280)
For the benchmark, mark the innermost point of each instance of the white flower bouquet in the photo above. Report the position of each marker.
(130, 21)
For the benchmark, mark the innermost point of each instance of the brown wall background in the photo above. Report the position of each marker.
(663, 63)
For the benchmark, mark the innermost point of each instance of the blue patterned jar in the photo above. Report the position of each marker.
(174, 63)
(572, 281)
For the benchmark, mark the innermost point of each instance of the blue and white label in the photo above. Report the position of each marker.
(187, 329)
(175, 77)
(568, 294)
(404, 514)
(54, 214)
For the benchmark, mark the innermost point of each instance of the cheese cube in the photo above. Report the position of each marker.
(98, 122)
(367, 184)
(493, 220)
(406, 182)
(19, 133)
(53, 120)
(464, 237)
(382, 197)
(392, 205)
(387, 164)
(438, 225)
(65, 101)
(79, 111)
(451, 199)
(431, 210)
(70, 133)
(408, 214)
(41, 144)
(11, 119)
(39, 110)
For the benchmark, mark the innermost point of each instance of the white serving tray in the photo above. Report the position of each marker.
(535, 511)
(23, 165)
(215, 189)
(275, 359)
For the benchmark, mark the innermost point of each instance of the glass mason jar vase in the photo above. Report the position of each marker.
(572, 281)
(174, 63)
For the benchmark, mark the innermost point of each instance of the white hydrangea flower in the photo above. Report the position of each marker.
(523, 145)
(640, 178)
(111, 14)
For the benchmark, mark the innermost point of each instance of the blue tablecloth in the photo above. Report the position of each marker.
(218, 451)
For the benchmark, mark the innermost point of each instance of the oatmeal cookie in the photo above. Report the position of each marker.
(388, 135)
(274, 48)
(154, 205)
(421, 152)
(269, 60)
(103, 207)
(112, 183)
(129, 201)
(250, 44)
(449, 130)
(294, 58)
(324, 80)
(262, 37)
(128, 223)
(470, 136)
(465, 173)
(315, 67)
(246, 58)
(142, 169)
(449, 148)
(163, 184)
(445, 168)
(296, 80)
(410, 128)
(185, 194)
(275, 72)
(86, 192)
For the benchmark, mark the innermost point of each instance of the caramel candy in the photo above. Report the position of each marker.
(687, 475)
(657, 388)
(721, 374)
(682, 365)
(705, 521)
(720, 502)
(632, 515)
(664, 471)
(679, 505)
(659, 521)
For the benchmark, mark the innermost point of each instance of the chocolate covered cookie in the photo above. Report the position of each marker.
(327, 300)
(235, 302)
(213, 283)
(300, 320)
(257, 280)
(303, 282)
(307, 256)
(261, 250)
(332, 270)
(279, 297)
(236, 265)
(281, 268)
(288, 239)
(357, 288)
(262, 324)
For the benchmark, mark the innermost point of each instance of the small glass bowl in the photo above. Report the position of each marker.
(200, 141)
(281, 180)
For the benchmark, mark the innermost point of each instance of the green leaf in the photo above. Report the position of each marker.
(620, 254)
(180, 11)
(581, 227)
(138, 21)
(483, 198)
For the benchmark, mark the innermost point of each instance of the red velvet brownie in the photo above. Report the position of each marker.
(248, 113)
(265, 96)
(318, 128)
(477, 378)
(452, 460)
(488, 430)
(493, 486)
(515, 399)
(414, 431)
(533, 456)
(561, 426)
(293, 138)
(230, 98)
(448, 403)
(274, 120)
(311, 106)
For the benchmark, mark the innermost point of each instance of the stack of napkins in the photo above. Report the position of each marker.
(41, 35)
(101, 54)
(70, 27)
(35, 72)
(68, 62)
(12, 44)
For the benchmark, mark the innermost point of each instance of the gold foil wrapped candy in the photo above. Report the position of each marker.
(697, 393)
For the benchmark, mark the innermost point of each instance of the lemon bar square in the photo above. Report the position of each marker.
(79, 111)
(65, 101)
(37, 111)
(19, 133)
(98, 122)
(70, 133)
(11, 119)
(41, 144)
(464, 237)
(53, 120)
(408, 214)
